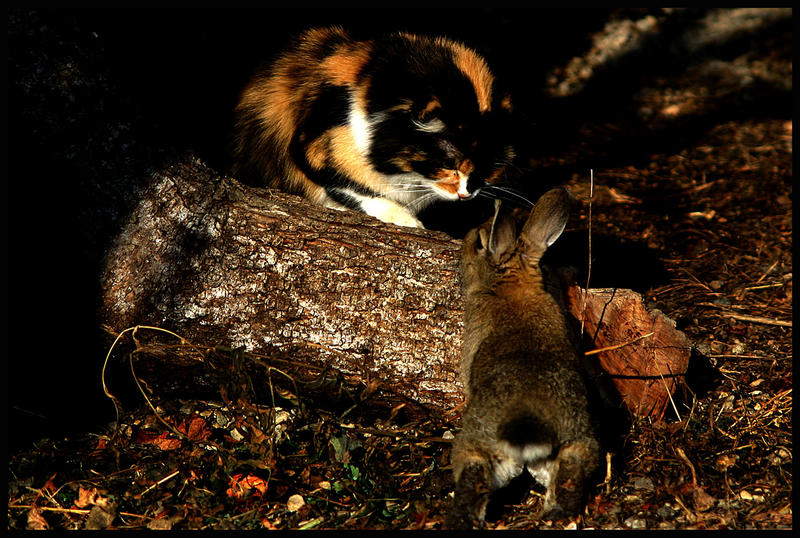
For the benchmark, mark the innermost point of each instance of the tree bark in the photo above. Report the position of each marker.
(220, 263)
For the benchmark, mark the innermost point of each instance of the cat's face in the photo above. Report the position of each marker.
(436, 124)
(457, 151)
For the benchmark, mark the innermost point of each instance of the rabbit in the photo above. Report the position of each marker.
(526, 390)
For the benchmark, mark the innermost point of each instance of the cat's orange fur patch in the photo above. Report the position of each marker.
(478, 73)
(344, 65)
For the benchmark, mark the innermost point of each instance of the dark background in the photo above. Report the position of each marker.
(169, 80)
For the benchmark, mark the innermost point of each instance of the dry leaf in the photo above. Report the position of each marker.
(702, 500)
(725, 461)
(101, 445)
(99, 518)
(86, 497)
(162, 440)
(49, 485)
(195, 428)
(242, 486)
(161, 524)
(105, 502)
(267, 524)
(36, 521)
(257, 436)
(295, 502)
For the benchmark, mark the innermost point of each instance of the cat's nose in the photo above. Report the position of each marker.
(463, 192)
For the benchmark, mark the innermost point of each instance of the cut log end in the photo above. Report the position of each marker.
(640, 350)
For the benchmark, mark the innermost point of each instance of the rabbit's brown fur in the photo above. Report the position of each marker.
(527, 395)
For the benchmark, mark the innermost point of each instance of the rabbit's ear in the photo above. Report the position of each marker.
(548, 219)
(503, 236)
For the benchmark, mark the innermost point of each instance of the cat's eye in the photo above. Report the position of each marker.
(432, 125)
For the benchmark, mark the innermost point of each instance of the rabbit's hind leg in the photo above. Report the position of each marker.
(471, 495)
(575, 464)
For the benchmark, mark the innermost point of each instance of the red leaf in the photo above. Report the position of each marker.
(161, 440)
(101, 445)
(49, 485)
(243, 486)
(195, 428)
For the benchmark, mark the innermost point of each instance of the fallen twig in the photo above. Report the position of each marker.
(79, 511)
(165, 479)
(759, 319)
(610, 348)
(589, 268)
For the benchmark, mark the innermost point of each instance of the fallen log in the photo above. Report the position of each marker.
(230, 266)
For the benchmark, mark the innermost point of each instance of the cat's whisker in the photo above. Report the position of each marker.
(400, 183)
(399, 193)
(420, 202)
(491, 195)
(504, 195)
(408, 187)
(401, 187)
(509, 191)
(508, 163)
(423, 200)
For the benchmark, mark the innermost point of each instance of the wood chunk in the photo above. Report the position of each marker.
(653, 358)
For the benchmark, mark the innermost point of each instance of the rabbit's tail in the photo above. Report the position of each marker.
(528, 434)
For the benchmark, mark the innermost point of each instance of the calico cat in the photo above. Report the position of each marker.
(384, 126)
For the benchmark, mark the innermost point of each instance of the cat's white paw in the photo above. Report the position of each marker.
(389, 211)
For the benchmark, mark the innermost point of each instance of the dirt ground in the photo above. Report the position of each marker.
(705, 225)
(726, 463)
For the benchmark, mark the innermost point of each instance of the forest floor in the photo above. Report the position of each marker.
(719, 211)
(710, 216)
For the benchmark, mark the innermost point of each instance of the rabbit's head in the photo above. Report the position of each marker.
(495, 250)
